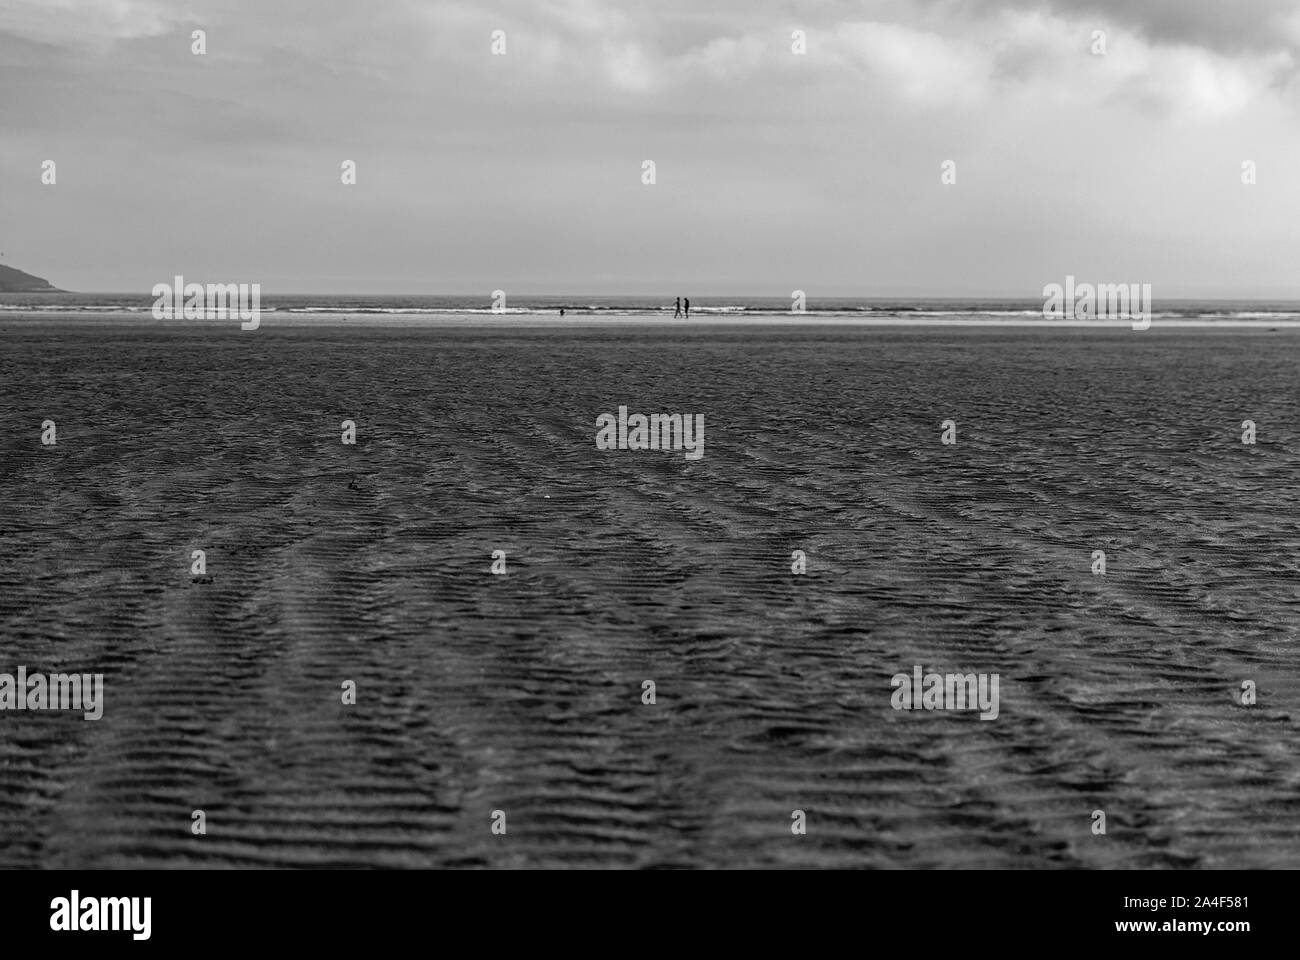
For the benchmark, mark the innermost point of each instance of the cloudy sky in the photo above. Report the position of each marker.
(775, 171)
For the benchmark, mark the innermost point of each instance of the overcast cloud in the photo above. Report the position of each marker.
(775, 171)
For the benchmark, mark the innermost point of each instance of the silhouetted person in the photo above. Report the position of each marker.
(561, 311)
(679, 307)
(688, 308)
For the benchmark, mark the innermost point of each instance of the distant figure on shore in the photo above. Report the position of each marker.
(561, 311)
(679, 308)
(688, 308)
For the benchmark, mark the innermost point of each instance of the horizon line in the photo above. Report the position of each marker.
(668, 297)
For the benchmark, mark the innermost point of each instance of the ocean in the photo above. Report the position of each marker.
(523, 694)
(389, 309)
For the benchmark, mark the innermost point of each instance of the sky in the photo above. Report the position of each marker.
(774, 170)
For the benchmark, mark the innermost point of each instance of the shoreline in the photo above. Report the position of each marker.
(23, 320)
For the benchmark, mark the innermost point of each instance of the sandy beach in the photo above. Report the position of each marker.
(523, 692)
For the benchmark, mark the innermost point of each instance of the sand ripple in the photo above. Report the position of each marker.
(522, 692)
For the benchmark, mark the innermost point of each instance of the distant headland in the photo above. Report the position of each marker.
(15, 281)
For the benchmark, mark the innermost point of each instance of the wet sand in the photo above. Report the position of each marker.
(523, 692)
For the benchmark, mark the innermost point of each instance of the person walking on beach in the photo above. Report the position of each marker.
(688, 308)
(679, 308)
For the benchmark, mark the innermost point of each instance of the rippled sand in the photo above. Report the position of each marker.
(523, 693)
